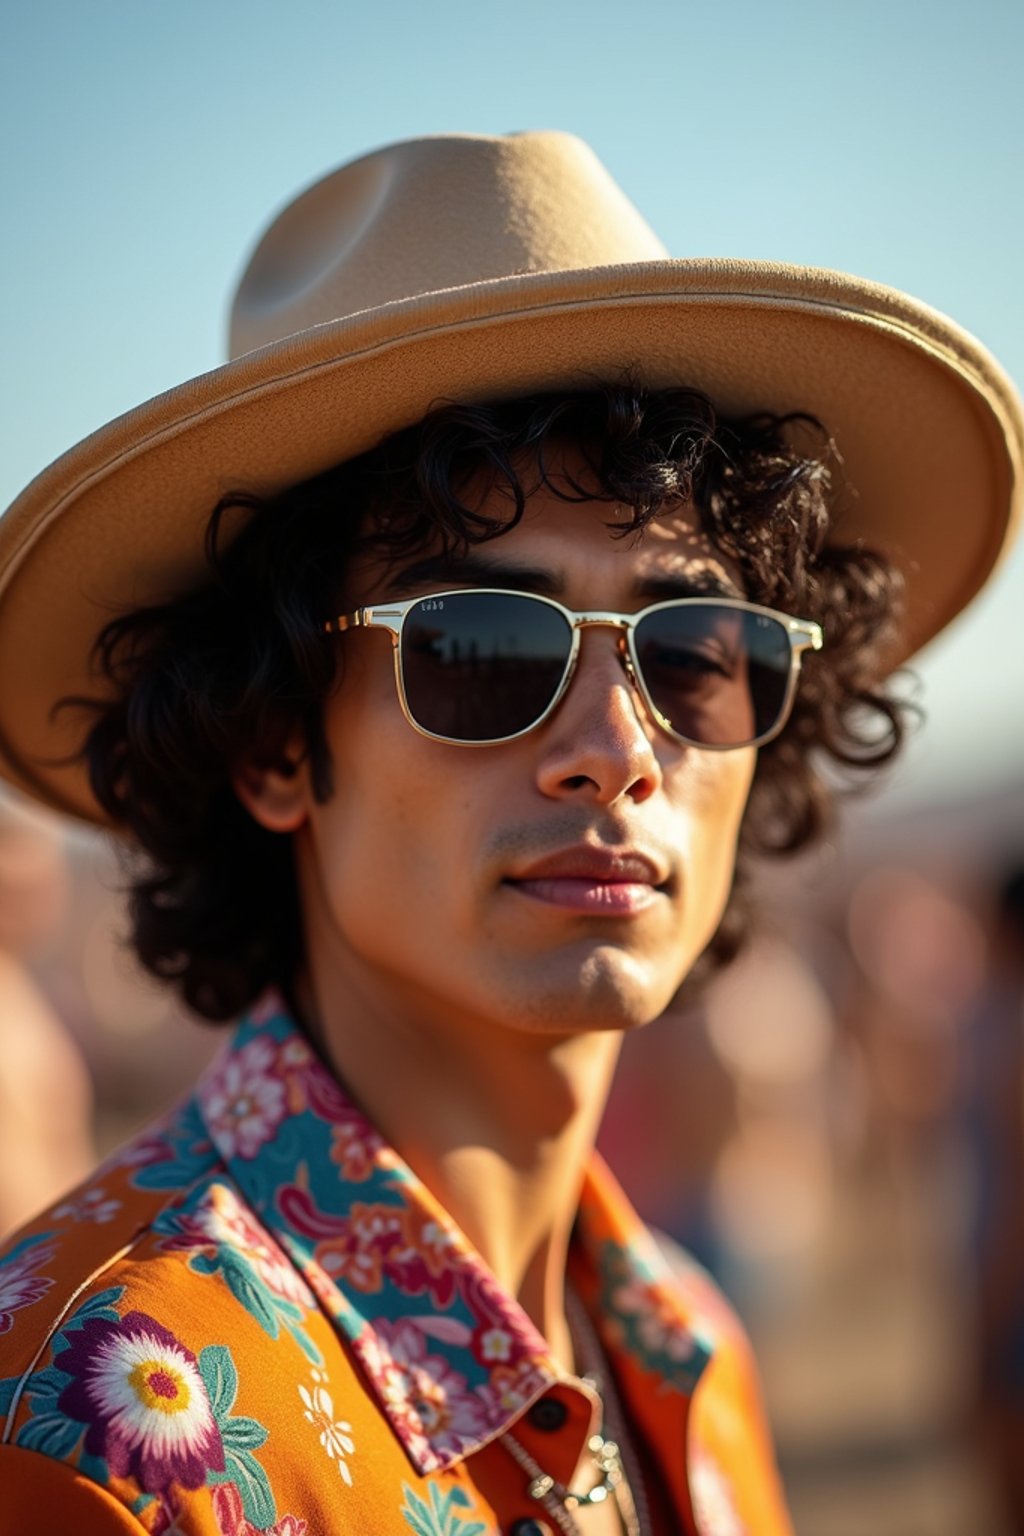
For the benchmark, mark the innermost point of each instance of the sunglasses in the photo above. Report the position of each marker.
(481, 666)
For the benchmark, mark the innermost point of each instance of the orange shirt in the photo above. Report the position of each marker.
(255, 1318)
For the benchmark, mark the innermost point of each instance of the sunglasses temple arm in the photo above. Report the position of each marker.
(806, 637)
(367, 618)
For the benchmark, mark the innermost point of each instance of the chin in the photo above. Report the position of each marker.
(610, 991)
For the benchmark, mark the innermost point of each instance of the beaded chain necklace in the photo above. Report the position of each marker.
(613, 1454)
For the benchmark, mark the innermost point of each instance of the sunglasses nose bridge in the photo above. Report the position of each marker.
(621, 624)
(615, 621)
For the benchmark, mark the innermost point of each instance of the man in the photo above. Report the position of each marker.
(370, 1278)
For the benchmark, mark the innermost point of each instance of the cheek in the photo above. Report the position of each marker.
(371, 871)
(716, 795)
(365, 837)
(387, 841)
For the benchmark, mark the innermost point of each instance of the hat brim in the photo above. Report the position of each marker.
(928, 426)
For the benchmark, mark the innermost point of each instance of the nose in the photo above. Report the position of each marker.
(599, 745)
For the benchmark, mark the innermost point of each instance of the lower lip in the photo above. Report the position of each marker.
(606, 898)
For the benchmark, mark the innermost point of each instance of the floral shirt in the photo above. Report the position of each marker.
(255, 1318)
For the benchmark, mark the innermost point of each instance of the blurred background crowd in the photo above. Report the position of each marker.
(834, 1127)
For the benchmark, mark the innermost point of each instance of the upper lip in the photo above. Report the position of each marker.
(611, 865)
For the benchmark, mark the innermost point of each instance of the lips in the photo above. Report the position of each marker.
(601, 881)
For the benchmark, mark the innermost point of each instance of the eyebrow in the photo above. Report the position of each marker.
(478, 570)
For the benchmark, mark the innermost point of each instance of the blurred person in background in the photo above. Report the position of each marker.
(371, 1276)
(45, 1092)
(994, 1107)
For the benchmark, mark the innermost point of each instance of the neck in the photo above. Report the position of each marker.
(497, 1122)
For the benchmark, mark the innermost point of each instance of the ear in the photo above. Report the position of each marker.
(277, 795)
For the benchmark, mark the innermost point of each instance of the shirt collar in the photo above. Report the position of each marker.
(452, 1359)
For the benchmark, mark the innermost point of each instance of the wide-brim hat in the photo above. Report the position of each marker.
(467, 268)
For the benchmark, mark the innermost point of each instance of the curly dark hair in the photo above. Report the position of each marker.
(225, 674)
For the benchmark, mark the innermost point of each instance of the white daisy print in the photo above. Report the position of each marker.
(335, 1434)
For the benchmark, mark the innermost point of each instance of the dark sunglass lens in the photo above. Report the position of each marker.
(718, 675)
(479, 666)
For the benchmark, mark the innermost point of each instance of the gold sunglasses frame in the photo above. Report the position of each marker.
(803, 634)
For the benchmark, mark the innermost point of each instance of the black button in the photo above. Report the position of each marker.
(548, 1413)
(529, 1528)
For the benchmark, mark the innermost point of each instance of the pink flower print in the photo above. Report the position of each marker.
(222, 1221)
(20, 1285)
(355, 1145)
(243, 1101)
(308, 1084)
(372, 1231)
(229, 1221)
(231, 1521)
(501, 1332)
(336, 1251)
(324, 1095)
(355, 1247)
(430, 1404)
(510, 1388)
(658, 1327)
(495, 1344)
(140, 1392)
(438, 1245)
(423, 1258)
(91, 1205)
(294, 1064)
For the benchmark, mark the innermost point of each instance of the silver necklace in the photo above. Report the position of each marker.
(559, 1502)
(610, 1448)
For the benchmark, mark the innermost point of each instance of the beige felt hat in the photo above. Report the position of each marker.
(467, 267)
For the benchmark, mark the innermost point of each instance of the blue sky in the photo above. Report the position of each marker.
(146, 143)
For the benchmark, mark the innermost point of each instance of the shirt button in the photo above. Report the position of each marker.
(549, 1414)
(529, 1528)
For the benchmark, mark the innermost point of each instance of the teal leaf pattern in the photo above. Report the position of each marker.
(219, 1378)
(184, 1154)
(49, 1383)
(19, 1250)
(52, 1434)
(642, 1312)
(240, 1437)
(437, 1517)
(96, 1468)
(243, 1434)
(258, 1299)
(253, 1487)
(209, 1253)
(49, 1430)
(103, 1304)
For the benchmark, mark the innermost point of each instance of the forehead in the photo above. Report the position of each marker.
(564, 547)
(575, 534)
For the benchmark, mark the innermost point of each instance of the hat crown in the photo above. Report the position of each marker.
(431, 214)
